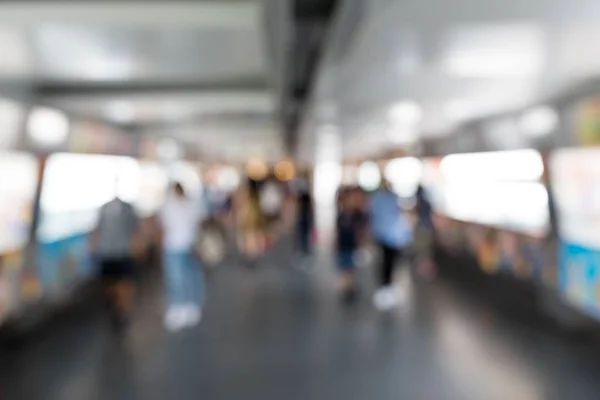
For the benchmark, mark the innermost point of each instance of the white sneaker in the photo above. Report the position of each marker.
(380, 299)
(192, 315)
(175, 319)
(386, 298)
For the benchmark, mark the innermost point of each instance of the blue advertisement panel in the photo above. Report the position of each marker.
(18, 181)
(580, 276)
(64, 263)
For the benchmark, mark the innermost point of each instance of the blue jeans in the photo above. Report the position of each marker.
(184, 278)
(304, 228)
(345, 260)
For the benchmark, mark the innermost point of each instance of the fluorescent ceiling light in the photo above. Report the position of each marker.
(539, 121)
(406, 113)
(459, 110)
(369, 176)
(484, 65)
(47, 127)
(120, 112)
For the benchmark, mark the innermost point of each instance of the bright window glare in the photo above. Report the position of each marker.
(11, 115)
(79, 182)
(327, 179)
(369, 176)
(406, 113)
(514, 165)
(405, 175)
(539, 121)
(522, 206)
(18, 179)
(47, 127)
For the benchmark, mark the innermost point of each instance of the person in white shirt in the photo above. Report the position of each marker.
(181, 218)
(271, 199)
(271, 204)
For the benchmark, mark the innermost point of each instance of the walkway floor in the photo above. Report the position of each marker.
(278, 332)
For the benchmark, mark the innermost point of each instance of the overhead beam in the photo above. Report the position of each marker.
(312, 19)
(68, 88)
(133, 14)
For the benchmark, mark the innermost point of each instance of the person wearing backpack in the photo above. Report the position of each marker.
(114, 243)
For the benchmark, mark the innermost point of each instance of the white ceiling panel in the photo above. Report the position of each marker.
(458, 59)
(109, 54)
(199, 69)
(102, 41)
(166, 106)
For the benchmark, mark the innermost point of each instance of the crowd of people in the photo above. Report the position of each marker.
(255, 216)
(380, 222)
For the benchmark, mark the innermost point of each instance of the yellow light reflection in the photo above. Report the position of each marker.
(285, 171)
(257, 170)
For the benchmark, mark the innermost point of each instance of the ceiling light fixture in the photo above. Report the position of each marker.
(539, 121)
(47, 127)
(407, 113)
(120, 112)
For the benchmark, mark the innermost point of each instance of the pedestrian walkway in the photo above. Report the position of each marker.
(275, 332)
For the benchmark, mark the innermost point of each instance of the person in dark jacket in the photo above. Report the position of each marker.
(349, 228)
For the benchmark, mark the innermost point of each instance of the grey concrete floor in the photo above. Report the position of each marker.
(280, 332)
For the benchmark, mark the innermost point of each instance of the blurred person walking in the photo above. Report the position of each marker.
(393, 234)
(424, 235)
(305, 222)
(271, 198)
(181, 219)
(349, 228)
(116, 242)
(252, 225)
